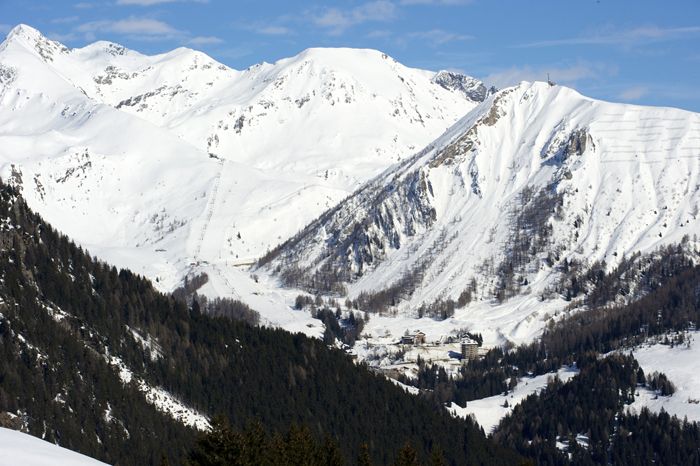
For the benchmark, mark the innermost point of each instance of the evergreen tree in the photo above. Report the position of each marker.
(407, 456)
(364, 458)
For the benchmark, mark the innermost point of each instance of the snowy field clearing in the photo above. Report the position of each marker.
(680, 366)
(17, 448)
(488, 412)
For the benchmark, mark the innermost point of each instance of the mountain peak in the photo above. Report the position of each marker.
(34, 40)
(103, 46)
(24, 31)
(323, 52)
(338, 57)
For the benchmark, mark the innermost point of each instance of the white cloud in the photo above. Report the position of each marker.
(143, 28)
(566, 74)
(337, 20)
(635, 36)
(59, 37)
(634, 93)
(235, 52)
(84, 5)
(274, 27)
(379, 34)
(204, 40)
(154, 2)
(439, 37)
(143, 2)
(273, 30)
(65, 20)
(435, 2)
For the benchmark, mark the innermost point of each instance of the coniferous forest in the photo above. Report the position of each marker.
(66, 317)
(68, 321)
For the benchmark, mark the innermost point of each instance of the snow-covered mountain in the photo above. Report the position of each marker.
(161, 162)
(174, 163)
(535, 179)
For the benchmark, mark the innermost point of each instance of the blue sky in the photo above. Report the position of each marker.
(639, 51)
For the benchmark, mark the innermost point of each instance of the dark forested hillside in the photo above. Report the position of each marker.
(65, 314)
(585, 421)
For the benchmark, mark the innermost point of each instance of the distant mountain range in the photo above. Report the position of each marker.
(163, 162)
(323, 163)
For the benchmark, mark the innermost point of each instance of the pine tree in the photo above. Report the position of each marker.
(407, 456)
(436, 456)
(330, 453)
(215, 448)
(364, 459)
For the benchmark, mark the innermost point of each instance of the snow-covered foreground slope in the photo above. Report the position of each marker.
(680, 366)
(535, 176)
(175, 162)
(17, 448)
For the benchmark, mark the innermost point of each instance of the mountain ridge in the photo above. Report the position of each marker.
(273, 145)
(544, 158)
(292, 139)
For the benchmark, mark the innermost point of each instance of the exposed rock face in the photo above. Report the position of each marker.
(472, 88)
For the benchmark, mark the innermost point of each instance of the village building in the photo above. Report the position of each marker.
(470, 349)
(417, 338)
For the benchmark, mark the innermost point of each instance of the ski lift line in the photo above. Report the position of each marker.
(617, 130)
(626, 151)
(209, 213)
(625, 161)
(660, 118)
(664, 128)
(616, 122)
(227, 282)
(651, 161)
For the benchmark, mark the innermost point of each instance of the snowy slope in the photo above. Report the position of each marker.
(535, 175)
(161, 162)
(18, 448)
(318, 124)
(678, 363)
